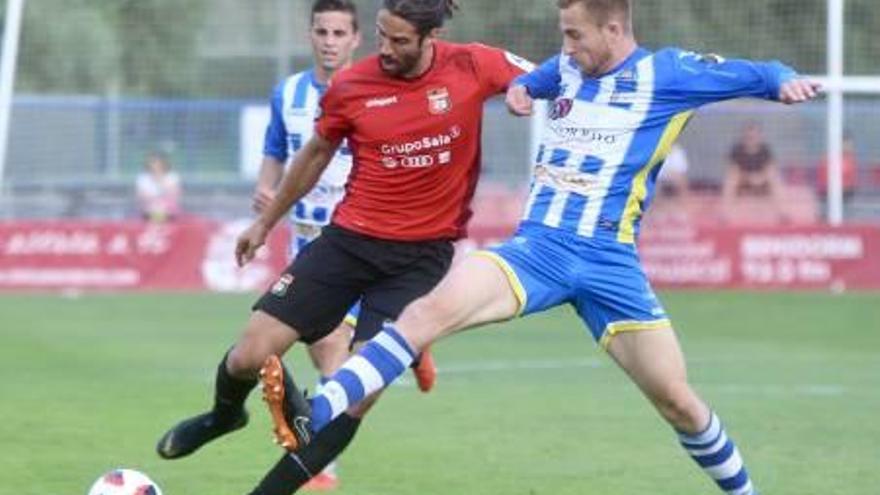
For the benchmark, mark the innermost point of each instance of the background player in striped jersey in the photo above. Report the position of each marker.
(617, 109)
(412, 118)
(334, 36)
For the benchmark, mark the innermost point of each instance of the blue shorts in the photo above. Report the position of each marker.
(600, 277)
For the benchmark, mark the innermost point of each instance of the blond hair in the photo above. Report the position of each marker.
(603, 11)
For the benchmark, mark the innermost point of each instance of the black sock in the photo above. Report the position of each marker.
(294, 470)
(230, 393)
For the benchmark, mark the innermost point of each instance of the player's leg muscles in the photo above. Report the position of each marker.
(235, 377)
(476, 291)
(294, 470)
(263, 336)
(300, 300)
(653, 359)
(330, 352)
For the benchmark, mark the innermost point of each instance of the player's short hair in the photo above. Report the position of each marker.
(603, 10)
(348, 6)
(425, 15)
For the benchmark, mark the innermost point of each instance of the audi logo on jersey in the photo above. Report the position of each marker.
(408, 161)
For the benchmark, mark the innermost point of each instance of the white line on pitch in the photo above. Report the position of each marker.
(804, 389)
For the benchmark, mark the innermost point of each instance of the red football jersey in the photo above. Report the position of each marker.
(416, 142)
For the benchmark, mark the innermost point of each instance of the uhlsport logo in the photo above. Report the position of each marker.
(381, 101)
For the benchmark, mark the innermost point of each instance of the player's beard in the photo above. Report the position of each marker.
(399, 67)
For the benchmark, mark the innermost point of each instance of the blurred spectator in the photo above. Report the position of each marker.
(673, 181)
(752, 173)
(158, 189)
(848, 167)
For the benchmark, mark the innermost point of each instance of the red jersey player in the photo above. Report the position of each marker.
(412, 117)
(416, 141)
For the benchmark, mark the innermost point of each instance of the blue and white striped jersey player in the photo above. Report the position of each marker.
(616, 110)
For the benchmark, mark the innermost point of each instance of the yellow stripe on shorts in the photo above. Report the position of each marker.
(518, 290)
(350, 320)
(617, 327)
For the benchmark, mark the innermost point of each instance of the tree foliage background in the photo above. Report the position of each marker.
(169, 48)
(138, 47)
(789, 30)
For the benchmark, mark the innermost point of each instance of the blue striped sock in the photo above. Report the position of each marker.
(719, 458)
(385, 357)
(322, 380)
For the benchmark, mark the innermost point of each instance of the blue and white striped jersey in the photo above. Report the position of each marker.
(294, 109)
(606, 138)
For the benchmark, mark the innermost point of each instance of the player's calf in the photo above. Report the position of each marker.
(384, 358)
(681, 407)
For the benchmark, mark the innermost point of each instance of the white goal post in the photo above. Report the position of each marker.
(11, 30)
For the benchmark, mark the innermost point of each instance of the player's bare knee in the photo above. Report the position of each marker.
(241, 363)
(422, 321)
(248, 355)
(680, 406)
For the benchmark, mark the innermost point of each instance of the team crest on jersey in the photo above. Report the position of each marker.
(281, 286)
(561, 108)
(439, 101)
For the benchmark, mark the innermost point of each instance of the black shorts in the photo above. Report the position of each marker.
(340, 267)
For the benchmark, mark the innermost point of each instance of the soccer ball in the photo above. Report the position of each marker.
(124, 482)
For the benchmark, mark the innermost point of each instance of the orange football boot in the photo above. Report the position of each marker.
(288, 408)
(425, 371)
(322, 482)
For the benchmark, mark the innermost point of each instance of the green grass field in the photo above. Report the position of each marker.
(530, 407)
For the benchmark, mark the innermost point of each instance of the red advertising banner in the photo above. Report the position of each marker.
(198, 255)
(772, 257)
(185, 255)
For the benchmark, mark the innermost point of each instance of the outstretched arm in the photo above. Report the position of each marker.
(701, 79)
(300, 178)
(798, 90)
